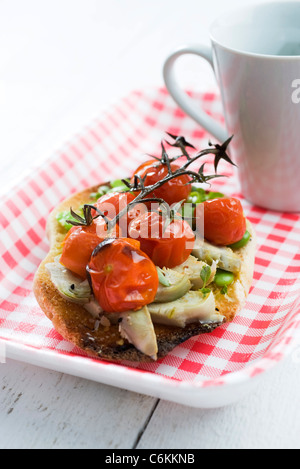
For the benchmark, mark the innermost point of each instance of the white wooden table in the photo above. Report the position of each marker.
(61, 63)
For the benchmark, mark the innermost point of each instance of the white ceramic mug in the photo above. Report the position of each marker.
(255, 54)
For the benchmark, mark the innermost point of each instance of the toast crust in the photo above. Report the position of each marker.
(76, 325)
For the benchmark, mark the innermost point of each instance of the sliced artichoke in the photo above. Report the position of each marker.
(192, 307)
(192, 267)
(69, 285)
(172, 285)
(137, 328)
(224, 257)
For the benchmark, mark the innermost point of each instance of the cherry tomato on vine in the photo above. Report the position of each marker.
(167, 246)
(80, 242)
(224, 221)
(122, 276)
(172, 191)
(112, 203)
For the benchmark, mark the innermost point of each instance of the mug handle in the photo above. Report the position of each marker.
(182, 99)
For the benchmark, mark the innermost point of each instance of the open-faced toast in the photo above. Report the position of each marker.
(135, 295)
(103, 339)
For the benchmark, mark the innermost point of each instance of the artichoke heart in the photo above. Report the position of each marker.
(194, 306)
(224, 257)
(69, 285)
(137, 328)
(192, 267)
(173, 286)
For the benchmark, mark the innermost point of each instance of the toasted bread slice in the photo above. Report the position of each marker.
(78, 326)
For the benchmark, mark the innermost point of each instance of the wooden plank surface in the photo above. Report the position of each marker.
(61, 63)
(45, 409)
(264, 419)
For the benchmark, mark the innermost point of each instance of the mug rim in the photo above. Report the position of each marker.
(244, 8)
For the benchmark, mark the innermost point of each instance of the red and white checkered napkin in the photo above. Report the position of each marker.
(110, 147)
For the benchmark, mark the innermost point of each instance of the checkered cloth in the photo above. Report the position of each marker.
(111, 147)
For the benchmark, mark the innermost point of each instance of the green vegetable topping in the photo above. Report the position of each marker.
(205, 274)
(202, 194)
(199, 195)
(243, 242)
(223, 278)
(194, 198)
(119, 186)
(119, 189)
(62, 218)
(215, 195)
(117, 183)
(115, 186)
(205, 291)
(101, 191)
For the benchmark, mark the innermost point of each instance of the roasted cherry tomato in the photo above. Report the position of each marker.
(167, 246)
(113, 203)
(224, 221)
(172, 191)
(80, 242)
(122, 276)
